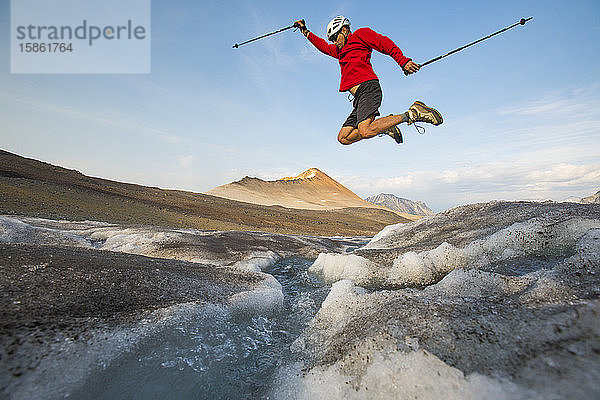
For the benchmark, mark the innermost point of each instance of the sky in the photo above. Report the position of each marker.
(521, 110)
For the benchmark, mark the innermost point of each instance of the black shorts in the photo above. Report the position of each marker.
(367, 101)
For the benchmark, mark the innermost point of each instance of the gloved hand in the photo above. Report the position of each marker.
(411, 67)
(300, 24)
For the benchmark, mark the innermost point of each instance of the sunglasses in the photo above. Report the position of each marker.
(333, 38)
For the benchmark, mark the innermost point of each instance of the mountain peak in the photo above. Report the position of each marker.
(310, 173)
(595, 198)
(312, 189)
(400, 204)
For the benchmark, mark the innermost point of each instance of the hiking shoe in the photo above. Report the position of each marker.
(419, 112)
(395, 133)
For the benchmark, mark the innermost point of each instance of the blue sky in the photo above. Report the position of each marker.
(521, 110)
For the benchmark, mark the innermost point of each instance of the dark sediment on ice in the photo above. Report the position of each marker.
(50, 293)
(506, 293)
(462, 225)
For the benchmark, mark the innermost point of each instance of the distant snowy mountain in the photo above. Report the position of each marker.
(396, 203)
(595, 198)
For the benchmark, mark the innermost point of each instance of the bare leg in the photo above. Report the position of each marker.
(348, 135)
(368, 128)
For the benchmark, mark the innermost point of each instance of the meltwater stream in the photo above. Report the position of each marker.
(214, 354)
(497, 300)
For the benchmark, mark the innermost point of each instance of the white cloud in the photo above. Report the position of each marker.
(484, 182)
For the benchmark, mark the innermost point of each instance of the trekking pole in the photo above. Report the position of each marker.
(235, 46)
(521, 22)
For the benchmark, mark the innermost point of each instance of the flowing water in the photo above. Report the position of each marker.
(456, 325)
(212, 354)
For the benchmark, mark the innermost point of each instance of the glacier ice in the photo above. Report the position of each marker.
(533, 238)
(264, 299)
(444, 317)
(335, 267)
(497, 300)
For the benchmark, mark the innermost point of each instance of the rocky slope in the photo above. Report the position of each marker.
(34, 188)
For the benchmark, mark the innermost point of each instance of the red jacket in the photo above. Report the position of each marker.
(355, 56)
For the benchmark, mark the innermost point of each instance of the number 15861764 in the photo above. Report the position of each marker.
(45, 47)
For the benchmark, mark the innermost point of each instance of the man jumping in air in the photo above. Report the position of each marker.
(353, 50)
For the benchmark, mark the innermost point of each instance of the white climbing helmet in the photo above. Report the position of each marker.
(336, 25)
